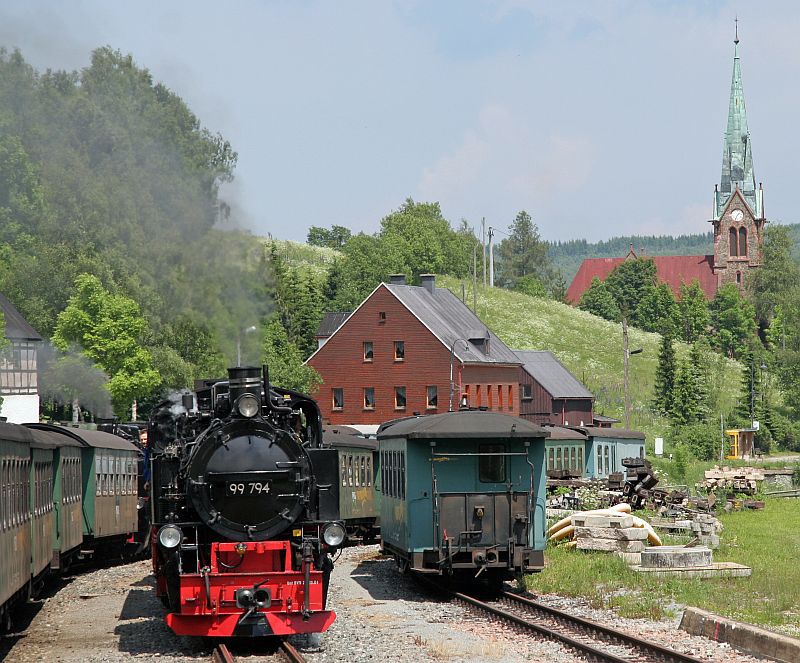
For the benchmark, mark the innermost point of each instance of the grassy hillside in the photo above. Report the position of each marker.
(588, 346)
(591, 348)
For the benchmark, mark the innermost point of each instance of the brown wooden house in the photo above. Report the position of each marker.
(412, 350)
(550, 394)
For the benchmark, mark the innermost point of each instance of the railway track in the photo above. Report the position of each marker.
(588, 639)
(284, 652)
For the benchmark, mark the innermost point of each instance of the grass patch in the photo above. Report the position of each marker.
(766, 540)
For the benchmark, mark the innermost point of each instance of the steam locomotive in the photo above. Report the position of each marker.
(245, 509)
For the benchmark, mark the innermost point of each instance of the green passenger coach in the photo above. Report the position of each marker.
(463, 493)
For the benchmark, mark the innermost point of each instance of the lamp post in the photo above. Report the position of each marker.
(249, 329)
(452, 353)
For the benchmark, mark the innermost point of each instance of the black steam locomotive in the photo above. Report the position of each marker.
(244, 509)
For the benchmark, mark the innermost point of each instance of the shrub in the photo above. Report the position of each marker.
(702, 440)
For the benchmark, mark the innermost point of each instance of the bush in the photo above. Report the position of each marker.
(702, 441)
(785, 432)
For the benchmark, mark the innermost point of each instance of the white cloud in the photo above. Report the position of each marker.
(504, 161)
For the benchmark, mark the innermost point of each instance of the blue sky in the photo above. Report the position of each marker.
(598, 118)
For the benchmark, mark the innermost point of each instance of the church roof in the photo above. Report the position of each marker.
(672, 270)
(737, 153)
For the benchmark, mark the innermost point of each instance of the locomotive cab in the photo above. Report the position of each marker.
(245, 509)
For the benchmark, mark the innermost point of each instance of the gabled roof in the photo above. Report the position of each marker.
(449, 320)
(672, 270)
(17, 327)
(543, 367)
(331, 322)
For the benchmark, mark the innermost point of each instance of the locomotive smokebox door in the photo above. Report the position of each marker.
(325, 465)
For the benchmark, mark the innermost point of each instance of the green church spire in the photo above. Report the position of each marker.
(737, 155)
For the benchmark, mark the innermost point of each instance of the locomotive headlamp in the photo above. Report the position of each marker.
(170, 536)
(247, 405)
(333, 534)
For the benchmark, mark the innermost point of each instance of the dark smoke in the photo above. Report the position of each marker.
(69, 377)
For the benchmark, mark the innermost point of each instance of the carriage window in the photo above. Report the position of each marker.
(559, 466)
(369, 470)
(402, 475)
(491, 469)
(349, 470)
(580, 460)
(599, 468)
(363, 471)
(573, 460)
(605, 456)
(550, 459)
(344, 470)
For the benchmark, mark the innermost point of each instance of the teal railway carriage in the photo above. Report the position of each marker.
(108, 484)
(463, 493)
(606, 447)
(565, 452)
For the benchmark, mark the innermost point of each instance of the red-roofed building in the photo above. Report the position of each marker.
(738, 219)
(672, 270)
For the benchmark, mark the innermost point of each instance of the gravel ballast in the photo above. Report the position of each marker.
(112, 614)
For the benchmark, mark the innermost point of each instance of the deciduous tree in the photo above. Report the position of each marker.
(108, 328)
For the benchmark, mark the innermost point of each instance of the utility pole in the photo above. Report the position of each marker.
(626, 354)
(491, 257)
(475, 279)
(483, 244)
(625, 357)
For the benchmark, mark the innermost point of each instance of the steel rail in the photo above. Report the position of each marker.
(291, 653)
(582, 647)
(644, 647)
(222, 654)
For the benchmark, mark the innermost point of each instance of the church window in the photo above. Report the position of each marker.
(743, 242)
(734, 244)
(738, 278)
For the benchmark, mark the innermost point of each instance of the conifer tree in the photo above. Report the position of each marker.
(664, 390)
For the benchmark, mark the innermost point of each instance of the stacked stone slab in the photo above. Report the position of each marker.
(738, 479)
(608, 533)
(706, 528)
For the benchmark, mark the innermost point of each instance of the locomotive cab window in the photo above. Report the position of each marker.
(491, 469)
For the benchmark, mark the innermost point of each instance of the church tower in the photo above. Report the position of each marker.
(738, 205)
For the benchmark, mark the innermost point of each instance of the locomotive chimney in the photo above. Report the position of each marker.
(244, 380)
